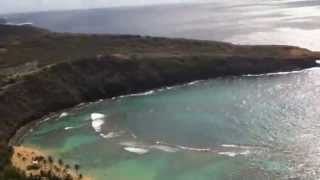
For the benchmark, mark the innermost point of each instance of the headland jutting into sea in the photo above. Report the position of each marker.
(43, 72)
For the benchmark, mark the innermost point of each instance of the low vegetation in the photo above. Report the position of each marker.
(40, 167)
(42, 72)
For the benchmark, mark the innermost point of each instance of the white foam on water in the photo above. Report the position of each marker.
(229, 145)
(138, 94)
(68, 128)
(165, 148)
(96, 124)
(272, 74)
(134, 136)
(230, 154)
(193, 82)
(148, 147)
(233, 154)
(195, 149)
(110, 135)
(136, 150)
(128, 143)
(46, 119)
(235, 146)
(283, 73)
(97, 121)
(96, 116)
(247, 152)
(64, 114)
(318, 61)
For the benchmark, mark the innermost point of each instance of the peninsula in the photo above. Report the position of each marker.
(43, 71)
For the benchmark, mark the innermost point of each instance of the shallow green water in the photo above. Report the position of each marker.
(250, 127)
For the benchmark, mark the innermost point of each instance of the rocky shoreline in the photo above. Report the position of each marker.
(125, 65)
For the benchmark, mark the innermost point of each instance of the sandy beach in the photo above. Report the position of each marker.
(35, 162)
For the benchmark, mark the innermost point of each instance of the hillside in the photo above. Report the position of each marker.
(44, 72)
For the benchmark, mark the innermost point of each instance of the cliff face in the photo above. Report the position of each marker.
(60, 76)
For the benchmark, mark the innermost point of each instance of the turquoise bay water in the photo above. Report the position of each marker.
(233, 128)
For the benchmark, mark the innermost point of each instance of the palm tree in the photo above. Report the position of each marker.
(68, 177)
(44, 164)
(50, 159)
(50, 174)
(77, 167)
(67, 167)
(60, 162)
(42, 173)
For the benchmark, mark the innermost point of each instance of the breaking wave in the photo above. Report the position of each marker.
(97, 121)
(111, 135)
(64, 114)
(68, 128)
(283, 73)
(136, 150)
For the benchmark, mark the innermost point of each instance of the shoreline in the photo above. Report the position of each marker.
(34, 162)
(18, 136)
(107, 66)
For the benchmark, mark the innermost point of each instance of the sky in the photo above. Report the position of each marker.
(13, 6)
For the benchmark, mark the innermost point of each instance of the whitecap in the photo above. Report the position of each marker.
(96, 116)
(193, 82)
(97, 121)
(169, 87)
(134, 136)
(284, 72)
(64, 114)
(229, 145)
(96, 124)
(136, 150)
(138, 94)
(233, 154)
(128, 143)
(110, 135)
(230, 154)
(164, 148)
(247, 152)
(318, 61)
(195, 149)
(68, 128)
(46, 119)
